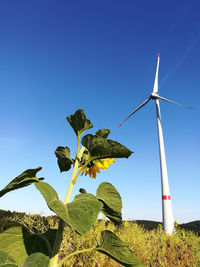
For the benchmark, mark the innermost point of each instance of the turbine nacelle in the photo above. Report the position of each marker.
(154, 95)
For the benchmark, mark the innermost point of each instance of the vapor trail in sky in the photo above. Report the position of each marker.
(181, 60)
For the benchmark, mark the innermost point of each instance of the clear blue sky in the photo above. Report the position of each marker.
(59, 56)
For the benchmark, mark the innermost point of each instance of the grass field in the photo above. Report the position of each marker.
(145, 238)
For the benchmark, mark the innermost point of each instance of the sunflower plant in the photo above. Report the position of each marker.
(21, 247)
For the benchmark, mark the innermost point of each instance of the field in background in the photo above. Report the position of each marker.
(145, 238)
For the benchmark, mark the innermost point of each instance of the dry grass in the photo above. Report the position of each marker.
(153, 247)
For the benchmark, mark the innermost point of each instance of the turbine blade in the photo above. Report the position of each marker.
(155, 87)
(144, 103)
(165, 99)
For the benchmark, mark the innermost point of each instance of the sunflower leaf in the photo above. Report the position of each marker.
(82, 191)
(103, 133)
(18, 243)
(37, 259)
(115, 248)
(24, 179)
(10, 265)
(100, 148)
(53, 202)
(83, 212)
(63, 156)
(112, 203)
(3, 257)
(79, 122)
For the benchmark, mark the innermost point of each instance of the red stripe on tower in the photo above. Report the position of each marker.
(165, 197)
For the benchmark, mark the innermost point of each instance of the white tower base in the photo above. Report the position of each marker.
(168, 221)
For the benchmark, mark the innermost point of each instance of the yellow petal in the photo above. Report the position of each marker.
(100, 165)
(106, 164)
(111, 160)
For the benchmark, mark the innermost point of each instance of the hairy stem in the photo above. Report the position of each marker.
(74, 176)
(59, 235)
(75, 253)
(57, 243)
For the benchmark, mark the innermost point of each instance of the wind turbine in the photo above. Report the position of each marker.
(167, 214)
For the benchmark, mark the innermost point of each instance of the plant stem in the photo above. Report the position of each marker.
(57, 243)
(59, 235)
(75, 253)
(72, 182)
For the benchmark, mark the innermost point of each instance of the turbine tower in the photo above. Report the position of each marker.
(167, 214)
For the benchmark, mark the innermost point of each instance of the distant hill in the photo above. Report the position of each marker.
(190, 226)
(146, 224)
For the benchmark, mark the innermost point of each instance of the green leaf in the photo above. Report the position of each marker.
(100, 147)
(80, 214)
(83, 212)
(4, 260)
(103, 133)
(52, 200)
(79, 122)
(112, 203)
(115, 248)
(19, 243)
(64, 160)
(3, 257)
(24, 179)
(36, 260)
(9, 265)
(82, 190)
(49, 238)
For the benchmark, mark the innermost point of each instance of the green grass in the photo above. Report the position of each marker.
(145, 238)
